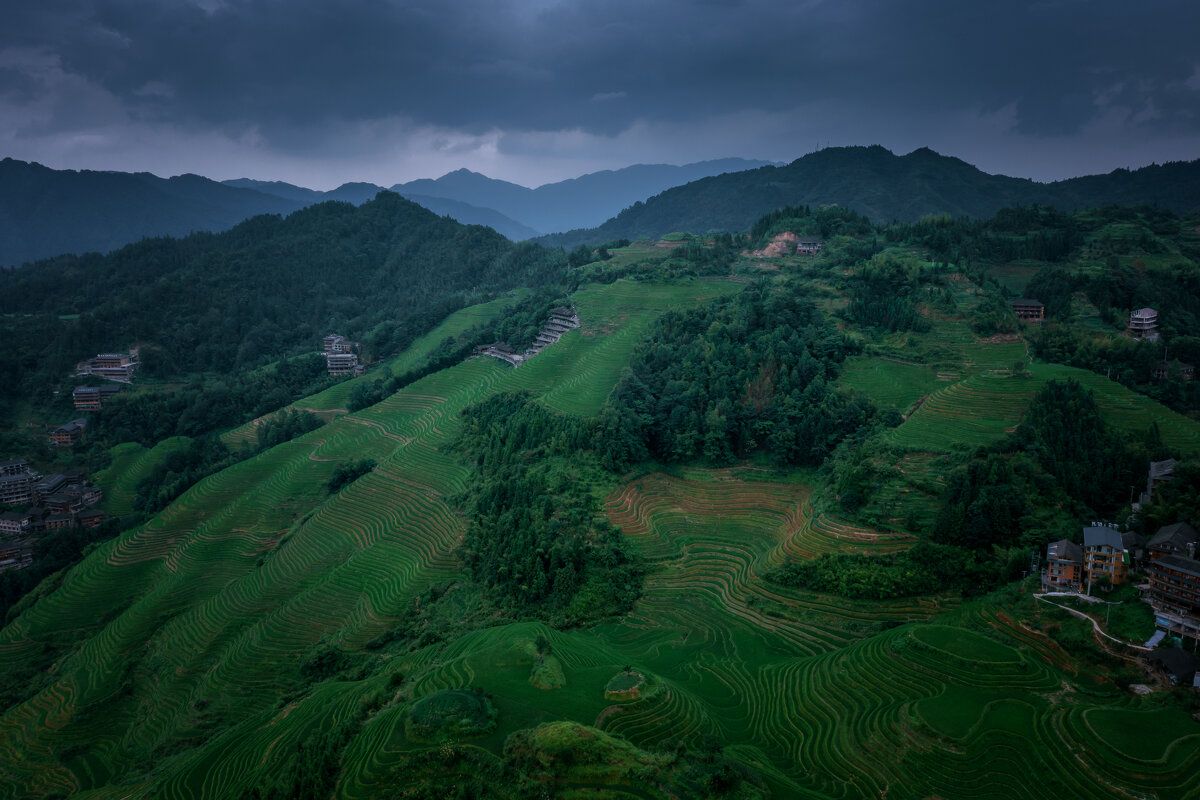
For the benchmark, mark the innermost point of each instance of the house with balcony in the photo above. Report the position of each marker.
(1064, 566)
(1028, 309)
(1143, 324)
(1104, 556)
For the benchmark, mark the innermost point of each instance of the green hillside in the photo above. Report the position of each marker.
(311, 620)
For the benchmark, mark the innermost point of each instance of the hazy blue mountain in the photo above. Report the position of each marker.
(578, 202)
(279, 189)
(885, 187)
(46, 212)
(359, 193)
(474, 215)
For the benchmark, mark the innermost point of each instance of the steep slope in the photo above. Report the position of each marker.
(46, 212)
(267, 288)
(883, 186)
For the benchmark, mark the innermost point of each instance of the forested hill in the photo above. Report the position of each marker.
(885, 187)
(269, 287)
(45, 212)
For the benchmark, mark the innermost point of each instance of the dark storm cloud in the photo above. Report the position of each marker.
(297, 71)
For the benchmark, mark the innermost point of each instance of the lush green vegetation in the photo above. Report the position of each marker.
(748, 373)
(512, 599)
(536, 539)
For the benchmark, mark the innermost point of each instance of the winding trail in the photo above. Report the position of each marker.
(1095, 624)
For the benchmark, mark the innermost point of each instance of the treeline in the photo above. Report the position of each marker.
(926, 568)
(536, 539)
(203, 405)
(746, 373)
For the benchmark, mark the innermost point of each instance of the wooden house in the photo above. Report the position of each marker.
(1028, 309)
(1064, 565)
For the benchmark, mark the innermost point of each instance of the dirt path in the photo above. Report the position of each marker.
(1095, 624)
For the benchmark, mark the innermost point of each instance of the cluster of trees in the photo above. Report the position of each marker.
(285, 426)
(348, 473)
(926, 568)
(536, 540)
(747, 373)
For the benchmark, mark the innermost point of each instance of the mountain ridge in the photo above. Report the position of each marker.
(884, 187)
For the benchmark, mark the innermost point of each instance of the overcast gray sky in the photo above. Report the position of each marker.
(317, 92)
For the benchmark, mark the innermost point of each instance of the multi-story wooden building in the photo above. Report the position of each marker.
(1143, 324)
(1028, 309)
(1104, 556)
(1172, 540)
(1064, 565)
(114, 366)
(92, 398)
(1175, 594)
(69, 434)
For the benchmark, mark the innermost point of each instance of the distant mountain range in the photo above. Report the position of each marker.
(517, 211)
(884, 187)
(46, 212)
(579, 202)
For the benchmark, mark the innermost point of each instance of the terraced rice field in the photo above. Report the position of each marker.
(131, 463)
(216, 599)
(333, 401)
(890, 383)
(173, 647)
(983, 408)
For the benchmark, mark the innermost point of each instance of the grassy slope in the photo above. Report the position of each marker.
(185, 630)
(333, 401)
(130, 463)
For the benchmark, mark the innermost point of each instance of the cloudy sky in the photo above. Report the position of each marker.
(318, 92)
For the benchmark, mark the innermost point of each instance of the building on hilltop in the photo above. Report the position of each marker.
(1064, 565)
(118, 367)
(1028, 309)
(1169, 369)
(1104, 555)
(1143, 324)
(809, 247)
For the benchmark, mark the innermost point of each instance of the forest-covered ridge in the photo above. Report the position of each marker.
(884, 187)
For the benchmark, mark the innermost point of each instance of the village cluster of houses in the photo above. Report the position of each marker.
(1167, 560)
(561, 320)
(341, 356)
(46, 503)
